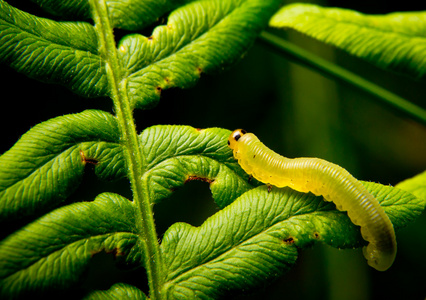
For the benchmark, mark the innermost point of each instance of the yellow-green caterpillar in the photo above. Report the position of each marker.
(323, 178)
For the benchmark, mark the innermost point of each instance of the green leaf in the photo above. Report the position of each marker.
(177, 154)
(127, 14)
(395, 41)
(258, 236)
(194, 41)
(200, 37)
(70, 9)
(402, 207)
(57, 52)
(118, 291)
(415, 185)
(136, 14)
(46, 165)
(54, 251)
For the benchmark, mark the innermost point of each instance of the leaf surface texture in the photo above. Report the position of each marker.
(54, 251)
(396, 41)
(47, 164)
(257, 237)
(199, 37)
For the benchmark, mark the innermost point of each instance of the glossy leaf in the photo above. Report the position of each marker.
(200, 37)
(54, 251)
(118, 291)
(136, 14)
(258, 236)
(395, 41)
(194, 41)
(415, 185)
(58, 52)
(177, 154)
(128, 14)
(46, 165)
(70, 9)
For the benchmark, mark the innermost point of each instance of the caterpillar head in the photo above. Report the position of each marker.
(234, 137)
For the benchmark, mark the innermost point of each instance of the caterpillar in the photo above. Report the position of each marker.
(326, 179)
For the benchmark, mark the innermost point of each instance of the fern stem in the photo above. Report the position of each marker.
(326, 68)
(146, 225)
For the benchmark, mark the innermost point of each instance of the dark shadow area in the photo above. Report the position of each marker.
(191, 204)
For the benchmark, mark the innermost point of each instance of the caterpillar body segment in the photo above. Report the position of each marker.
(326, 179)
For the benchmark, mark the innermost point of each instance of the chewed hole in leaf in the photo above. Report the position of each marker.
(103, 271)
(183, 206)
(87, 160)
(119, 34)
(115, 252)
(147, 31)
(192, 178)
(289, 240)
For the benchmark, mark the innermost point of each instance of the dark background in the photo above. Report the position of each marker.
(296, 112)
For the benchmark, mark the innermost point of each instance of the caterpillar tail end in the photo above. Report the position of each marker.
(379, 260)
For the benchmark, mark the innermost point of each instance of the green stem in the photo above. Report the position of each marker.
(145, 226)
(329, 69)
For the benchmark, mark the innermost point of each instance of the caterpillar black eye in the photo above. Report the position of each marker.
(239, 133)
(234, 137)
